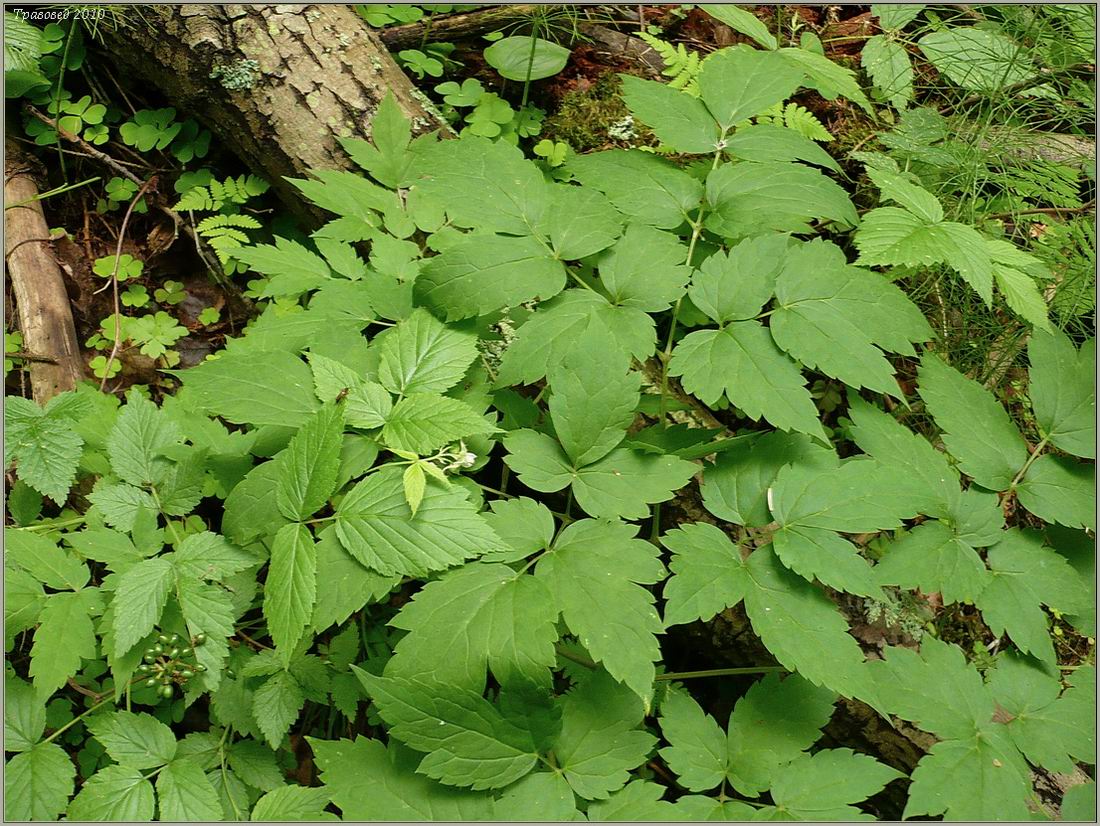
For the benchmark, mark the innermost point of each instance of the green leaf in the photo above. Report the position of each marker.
(741, 21)
(933, 558)
(184, 794)
(854, 497)
(307, 468)
(1018, 276)
(766, 142)
(742, 361)
(136, 741)
(596, 571)
(977, 59)
(697, 750)
(547, 793)
(46, 447)
(1025, 576)
(894, 17)
(370, 781)
(24, 716)
(1060, 490)
(116, 793)
(735, 286)
(251, 509)
(292, 803)
(38, 783)
(266, 387)
(139, 601)
(424, 422)
(1062, 391)
(482, 615)
(888, 65)
(835, 318)
(708, 573)
(343, 584)
(120, 504)
(64, 639)
(600, 743)
(1079, 802)
(827, 77)
(621, 484)
(44, 561)
(421, 355)
(255, 764)
(376, 526)
(482, 273)
(525, 525)
(290, 590)
(388, 160)
(977, 430)
(898, 188)
(750, 198)
(368, 405)
(414, 482)
(581, 222)
(469, 742)
(275, 706)
(525, 58)
(740, 82)
(638, 800)
(646, 268)
(207, 609)
(814, 553)
(207, 555)
(820, 787)
(292, 268)
(137, 441)
(645, 188)
(1052, 732)
(679, 120)
(594, 397)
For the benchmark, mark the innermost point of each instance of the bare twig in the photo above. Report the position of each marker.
(1081, 210)
(87, 148)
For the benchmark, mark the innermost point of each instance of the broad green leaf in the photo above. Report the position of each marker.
(275, 706)
(255, 764)
(346, 194)
(207, 609)
(648, 189)
(292, 268)
(368, 405)
(821, 786)
(697, 807)
(307, 467)
(484, 184)
(546, 793)
(468, 741)
(835, 318)
(424, 422)
(766, 142)
(977, 59)
(888, 65)
(896, 187)
(750, 198)
(581, 222)
(116, 793)
(292, 803)
(344, 585)
(742, 361)
(1079, 802)
(136, 741)
(815, 553)
(893, 17)
(600, 743)
(46, 447)
(594, 397)
(414, 481)
(935, 559)
(44, 560)
(112, 548)
(741, 21)
(207, 555)
(1018, 277)
(621, 484)
(290, 590)
(372, 781)
(139, 601)
(697, 750)
(679, 120)
(828, 78)
(184, 794)
(484, 272)
(331, 377)
(595, 572)
(421, 355)
(387, 158)
(138, 439)
(1062, 490)
(375, 526)
(23, 601)
(1052, 732)
(976, 429)
(251, 509)
(258, 387)
(526, 58)
(646, 269)
(38, 783)
(1025, 576)
(1062, 391)
(709, 573)
(24, 715)
(120, 504)
(525, 525)
(637, 801)
(740, 82)
(64, 639)
(735, 487)
(735, 286)
(482, 615)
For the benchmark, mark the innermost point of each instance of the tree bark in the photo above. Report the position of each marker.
(277, 85)
(45, 316)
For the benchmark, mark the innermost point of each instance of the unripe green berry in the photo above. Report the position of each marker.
(175, 652)
(158, 649)
(166, 691)
(144, 668)
(187, 674)
(150, 658)
(199, 639)
(186, 652)
(152, 681)
(200, 667)
(162, 639)
(150, 651)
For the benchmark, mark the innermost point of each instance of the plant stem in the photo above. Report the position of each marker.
(1030, 461)
(108, 699)
(530, 64)
(721, 672)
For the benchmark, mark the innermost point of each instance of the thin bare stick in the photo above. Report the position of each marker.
(102, 157)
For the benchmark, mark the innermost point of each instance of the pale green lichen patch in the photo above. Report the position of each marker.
(239, 75)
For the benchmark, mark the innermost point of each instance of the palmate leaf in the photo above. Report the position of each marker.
(185, 794)
(138, 741)
(580, 222)
(646, 189)
(823, 786)
(1062, 490)
(735, 286)
(138, 439)
(376, 527)
(646, 268)
(887, 62)
(1062, 391)
(935, 559)
(680, 121)
(64, 639)
(44, 560)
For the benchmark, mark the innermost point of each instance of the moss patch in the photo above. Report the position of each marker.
(595, 118)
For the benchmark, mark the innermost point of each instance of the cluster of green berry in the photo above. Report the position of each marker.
(165, 664)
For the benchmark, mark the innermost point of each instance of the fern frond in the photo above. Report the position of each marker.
(681, 66)
(805, 123)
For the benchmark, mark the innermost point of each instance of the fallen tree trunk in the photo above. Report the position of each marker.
(276, 84)
(52, 354)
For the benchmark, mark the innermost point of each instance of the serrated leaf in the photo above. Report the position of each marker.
(595, 572)
(645, 188)
(766, 142)
(251, 509)
(708, 573)
(829, 78)
(977, 430)
(547, 793)
(46, 447)
(1058, 489)
(977, 59)
(854, 497)
(823, 785)
(368, 405)
(116, 793)
(1062, 391)
(1015, 273)
(376, 526)
(735, 286)
(44, 560)
(482, 615)
(292, 268)
(424, 422)
(893, 17)
(697, 750)
(581, 222)
(646, 269)
(134, 740)
(343, 584)
(38, 783)
(185, 794)
(120, 504)
(933, 558)
(741, 21)
(307, 467)
(292, 803)
(275, 705)
(525, 525)
(139, 601)
(207, 609)
(388, 160)
(468, 741)
(814, 553)
(887, 62)
(24, 715)
(255, 765)
(740, 82)
(206, 555)
(421, 355)
(679, 120)
(290, 590)
(64, 639)
(138, 439)
(264, 387)
(742, 361)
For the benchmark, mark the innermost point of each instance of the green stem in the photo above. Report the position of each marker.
(721, 672)
(108, 699)
(1030, 461)
(530, 64)
(177, 539)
